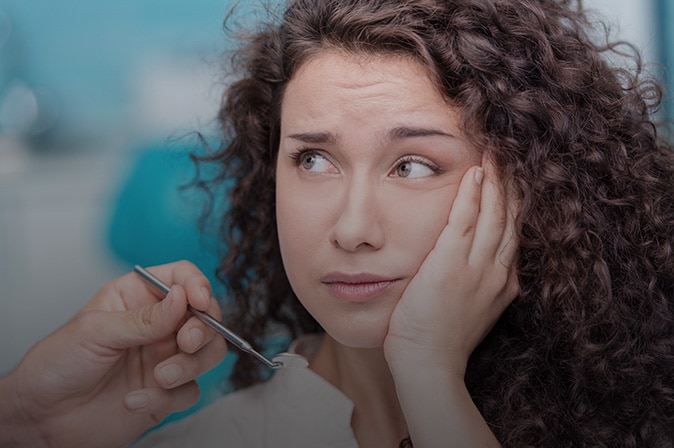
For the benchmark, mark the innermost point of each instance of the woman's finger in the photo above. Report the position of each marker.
(457, 237)
(509, 246)
(492, 220)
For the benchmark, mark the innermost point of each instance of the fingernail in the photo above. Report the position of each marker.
(197, 337)
(136, 402)
(205, 293)
(171, 373)
(166, 303)
(479, 175)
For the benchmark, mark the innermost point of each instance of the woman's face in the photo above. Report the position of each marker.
(370, 160)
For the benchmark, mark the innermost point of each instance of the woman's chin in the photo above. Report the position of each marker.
(370, 337)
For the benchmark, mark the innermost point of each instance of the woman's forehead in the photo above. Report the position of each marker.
(332, 71)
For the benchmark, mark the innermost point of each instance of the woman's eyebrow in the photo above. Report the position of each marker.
(397, 133)
(315, 137)
(402, 132)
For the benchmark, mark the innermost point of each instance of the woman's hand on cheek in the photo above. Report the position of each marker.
(463, 285)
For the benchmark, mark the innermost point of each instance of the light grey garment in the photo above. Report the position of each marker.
(296, 408)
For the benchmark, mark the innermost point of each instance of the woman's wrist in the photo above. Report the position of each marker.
(407, 358)
(439, 410)
(434, 398)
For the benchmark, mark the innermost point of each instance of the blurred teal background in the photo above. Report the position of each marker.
(101, 68)
(92, 97)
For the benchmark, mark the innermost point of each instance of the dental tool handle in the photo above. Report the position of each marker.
(209, 320)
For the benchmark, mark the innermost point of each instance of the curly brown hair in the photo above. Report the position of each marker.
(584, 356)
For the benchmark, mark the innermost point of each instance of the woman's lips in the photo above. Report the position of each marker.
(357, 288)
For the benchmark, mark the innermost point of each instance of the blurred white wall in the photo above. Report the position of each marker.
(52, 245)
(631, 20)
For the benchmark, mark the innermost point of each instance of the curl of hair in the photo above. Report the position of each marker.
(585, 355)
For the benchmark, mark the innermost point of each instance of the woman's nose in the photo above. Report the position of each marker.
(358, 225)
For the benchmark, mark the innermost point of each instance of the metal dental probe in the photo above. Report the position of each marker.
(211, 321)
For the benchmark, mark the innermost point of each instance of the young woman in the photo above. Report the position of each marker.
(461, 212)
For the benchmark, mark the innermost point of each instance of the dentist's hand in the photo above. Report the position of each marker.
(118, 367)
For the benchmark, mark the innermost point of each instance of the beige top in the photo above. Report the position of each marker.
(294, 408)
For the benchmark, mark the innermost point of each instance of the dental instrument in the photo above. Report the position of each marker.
(277, 362)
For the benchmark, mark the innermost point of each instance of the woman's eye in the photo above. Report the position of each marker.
(315, 162)
(412, 169)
